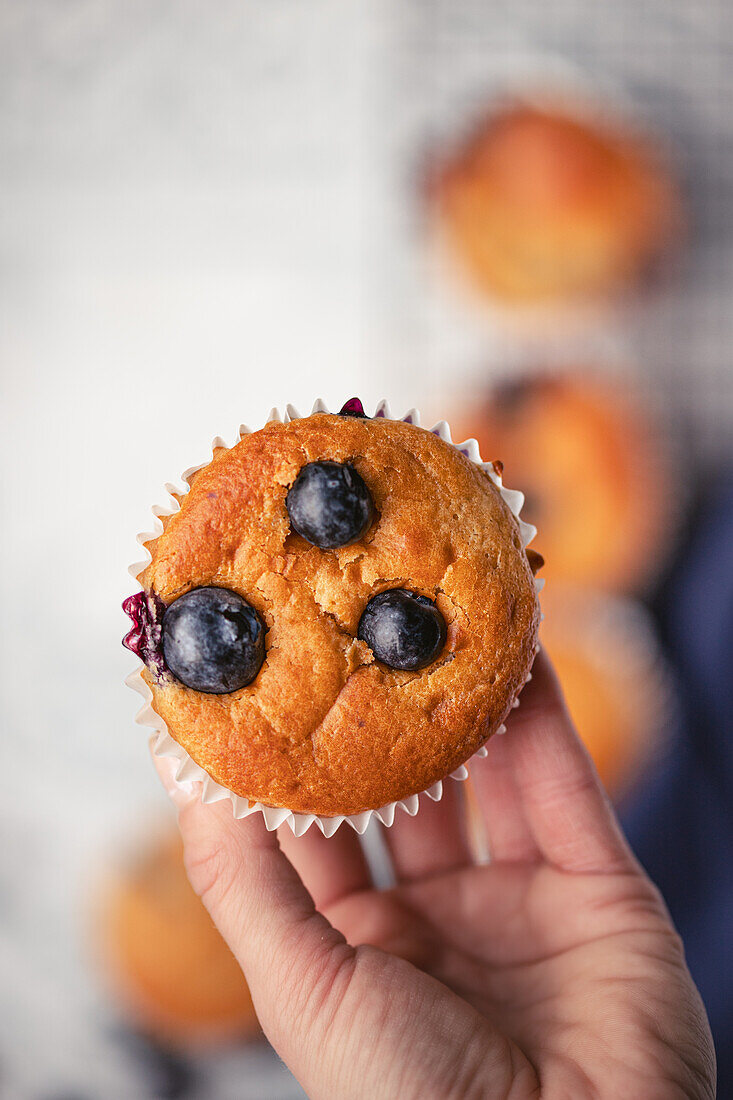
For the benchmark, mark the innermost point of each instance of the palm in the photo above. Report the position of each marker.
(538, 953)
(553, 971)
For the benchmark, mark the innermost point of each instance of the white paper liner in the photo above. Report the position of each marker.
(187, 770)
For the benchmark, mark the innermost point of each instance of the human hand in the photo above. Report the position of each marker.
(554, 971)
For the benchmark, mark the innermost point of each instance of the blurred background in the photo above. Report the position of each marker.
(515, 216)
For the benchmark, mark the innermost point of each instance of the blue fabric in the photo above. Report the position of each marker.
(680, 821)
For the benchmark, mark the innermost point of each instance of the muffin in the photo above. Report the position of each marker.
(339, 615)
(615, 684)
(539, 204)
(173, 972)
(596, 481)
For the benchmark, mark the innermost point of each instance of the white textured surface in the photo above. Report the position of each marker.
(205, 211)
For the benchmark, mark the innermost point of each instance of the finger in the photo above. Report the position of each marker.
(433, 842)
(331, 868)
(564, 803)
(508, 833)
(288, 951)
(243, 878)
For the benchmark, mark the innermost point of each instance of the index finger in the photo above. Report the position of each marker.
(562, 798)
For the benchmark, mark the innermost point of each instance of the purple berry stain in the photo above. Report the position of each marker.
(145, 639)
(353, 407)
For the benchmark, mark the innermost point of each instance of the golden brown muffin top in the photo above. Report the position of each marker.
(325, 728)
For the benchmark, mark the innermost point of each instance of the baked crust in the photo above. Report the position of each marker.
(324, 728)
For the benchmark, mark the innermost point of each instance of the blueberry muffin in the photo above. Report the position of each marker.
(541, 205)
(340, 614)
(594, 470)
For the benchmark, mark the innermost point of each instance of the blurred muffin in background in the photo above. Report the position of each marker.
(542, 205)
(593, 469)
(615, 682)
(173, 973)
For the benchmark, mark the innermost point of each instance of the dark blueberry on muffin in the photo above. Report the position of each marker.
(329, 504)
(402, 629)
(213, 640)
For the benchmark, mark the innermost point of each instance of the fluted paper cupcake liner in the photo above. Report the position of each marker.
(187, 770)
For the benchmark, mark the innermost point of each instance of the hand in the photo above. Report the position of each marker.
(552, 972)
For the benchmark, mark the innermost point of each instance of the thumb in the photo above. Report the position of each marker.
(259, 905)
(348, 1021)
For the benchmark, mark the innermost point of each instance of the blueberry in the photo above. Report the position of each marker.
(213, 640)
(402, 629)
(329, 504)
(146, 610)
(353, 407)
